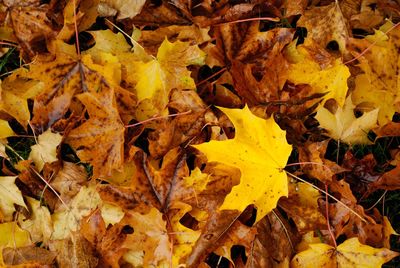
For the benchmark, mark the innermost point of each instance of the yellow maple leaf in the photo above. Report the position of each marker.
(45, 151)
(11, 235)
(157, 77)
(16, 89)
(68, 220)
(379, 85)
(331, 79)
(351, 253)
(5, 129)
(10, 195)
(344, 126)
(260, 151)
(39, 224)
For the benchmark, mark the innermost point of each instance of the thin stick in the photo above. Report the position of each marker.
(307, 163)
(249, 19)
(7, 44)
(285, 230)
(78, 50)
(327, 216)
(377, 202)
(211, 76)
(156, 118)
(136, 43)
(371, 45)
(331, 196)
(40, 176)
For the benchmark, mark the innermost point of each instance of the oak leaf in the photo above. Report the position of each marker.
(260, 151)
(351, 253)
(344, 126)
(45, 151)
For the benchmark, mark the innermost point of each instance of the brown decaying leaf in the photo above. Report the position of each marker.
(76, 252)
(326, 24)
(25, 255)
(314, 164)
(32, 28)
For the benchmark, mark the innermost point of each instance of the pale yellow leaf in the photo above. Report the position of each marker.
(344, 126)
(45, 151)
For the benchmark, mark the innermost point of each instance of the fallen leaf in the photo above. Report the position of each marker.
(315, 164)
(239, 234)
(137, 233)
(344, 126)
(5, 130)
(10, 195)
(27, 255)
(255, 141)
(100, 139)
(13, 236)
(377, 87)
(74, 252)
(32, 27)
(39, 224)
(45, 151)
(157, 77)
(16, 89)
(124, 9)
(273, 244)
(325, 24)
(330, 78)
(302, 206)
(348, 254)
(67, 221)
(69, 180)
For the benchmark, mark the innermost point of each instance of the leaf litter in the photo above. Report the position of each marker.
(198, 133)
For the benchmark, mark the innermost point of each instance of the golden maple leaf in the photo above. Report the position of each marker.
(351, 253)
(330, 79)
(378, 86)
(260, 151)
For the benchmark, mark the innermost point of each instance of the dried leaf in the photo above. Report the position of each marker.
(326, 24)
(45, 151)
(344, 126)
(10, 195)
(348, 254)
(324, 77)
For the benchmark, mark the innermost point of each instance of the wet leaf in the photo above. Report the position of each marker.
(348, 254)
(256, 140)
(344, 126)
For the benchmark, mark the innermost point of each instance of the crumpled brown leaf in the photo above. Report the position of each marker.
(325, 24)
(28, 255)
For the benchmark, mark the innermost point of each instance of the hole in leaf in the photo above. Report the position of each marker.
(333, 45)
(190, 222)
(127, 229)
